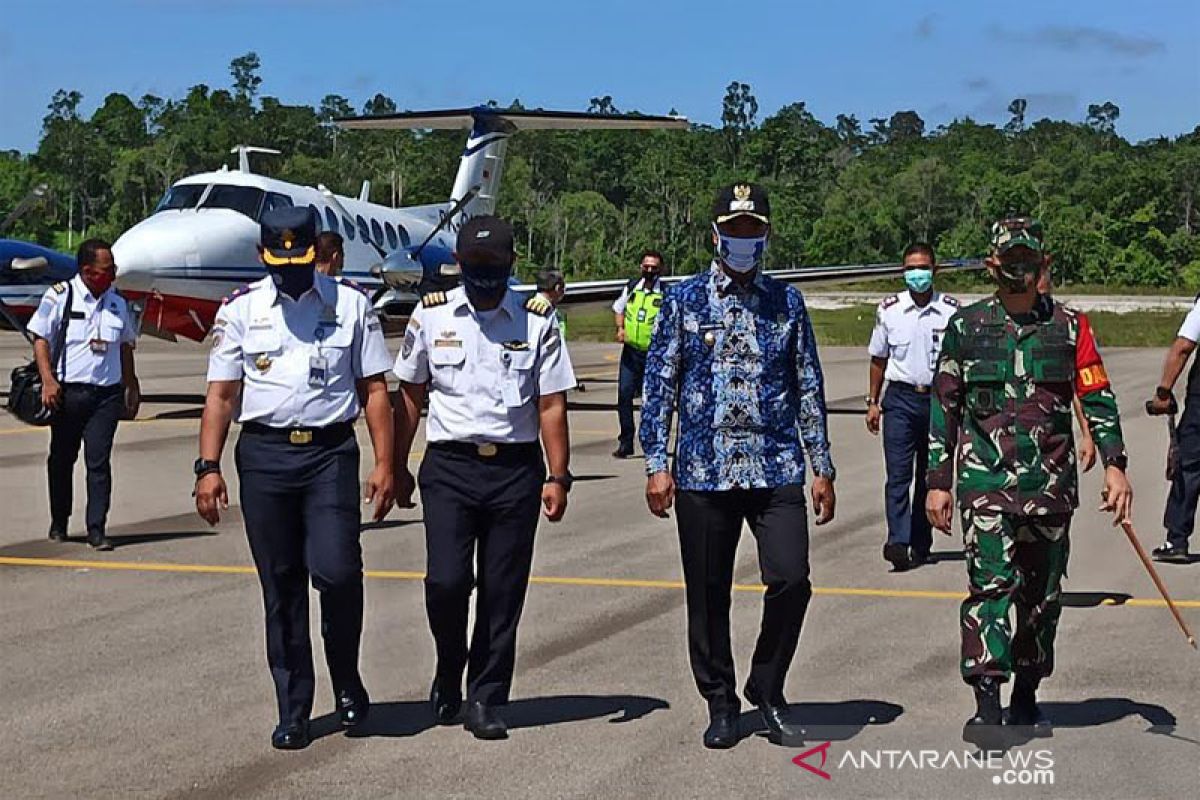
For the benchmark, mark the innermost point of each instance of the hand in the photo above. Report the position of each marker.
(379, 490)
(1156, 407)
(874, 414)
(52, 394)
(823, 499)
(1117, 495)
(939, 508)
(405, 487)
(621, 335)
(660, 494)
(554, 501)
(1087, 452)
(133, 400)
(211, 497)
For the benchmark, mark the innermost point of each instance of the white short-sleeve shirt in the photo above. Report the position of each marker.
(96, 329)
(910, 336)
(1190, 329)
(485, 370)
(299, 360)
(622, 300)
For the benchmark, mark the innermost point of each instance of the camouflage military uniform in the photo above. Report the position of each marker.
(1003, 394)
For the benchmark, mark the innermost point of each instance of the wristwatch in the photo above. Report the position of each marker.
(1162, 393)
(203, 466)
(564, 481)
(871, 401)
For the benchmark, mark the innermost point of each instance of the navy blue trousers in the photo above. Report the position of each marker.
(480, 518)
(1179, 517)
(89, 415)
(629, 386)
(302, 512)
(905, 448)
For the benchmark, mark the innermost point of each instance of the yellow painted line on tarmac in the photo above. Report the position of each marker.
(545, 580)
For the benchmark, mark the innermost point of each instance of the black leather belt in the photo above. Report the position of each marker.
(336, 433)
(111, 388)
(487, 449)
(912, 387)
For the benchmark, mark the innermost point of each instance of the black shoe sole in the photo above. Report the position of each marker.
(1182, 558)
(900, 560)
(487, 736)
(101, 547)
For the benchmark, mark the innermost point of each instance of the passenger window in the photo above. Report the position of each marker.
(391, 234)
(348, 228)
(331, 220)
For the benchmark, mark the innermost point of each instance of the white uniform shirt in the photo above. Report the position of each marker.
(622, 300)
(910, 336)
(298, 360)
(1190, 329)
(485, 370)
(96, 329)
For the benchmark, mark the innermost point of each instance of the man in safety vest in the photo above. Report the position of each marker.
(634, 313)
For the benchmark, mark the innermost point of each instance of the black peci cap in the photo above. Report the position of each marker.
(737, 199)
(485, 240)
(288, 235)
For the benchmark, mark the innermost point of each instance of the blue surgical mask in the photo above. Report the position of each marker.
(740, 254)
(919, 280)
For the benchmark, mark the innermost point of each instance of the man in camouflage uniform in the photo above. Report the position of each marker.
(1009, 368)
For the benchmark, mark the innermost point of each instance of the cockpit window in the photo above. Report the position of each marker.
(181, 196)
(243, 199)
(275, 201)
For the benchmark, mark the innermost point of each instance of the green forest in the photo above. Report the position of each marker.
(1117, 213)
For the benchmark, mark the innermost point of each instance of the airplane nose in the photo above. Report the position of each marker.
(135, 262)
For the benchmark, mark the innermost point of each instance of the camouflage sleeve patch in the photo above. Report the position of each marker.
(946, 412)
(538, 305)
(1096, 397)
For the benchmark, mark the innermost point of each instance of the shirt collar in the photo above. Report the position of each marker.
(907, 303)
(84, 293)
(324, 286)
(726, 285)
(461, 304)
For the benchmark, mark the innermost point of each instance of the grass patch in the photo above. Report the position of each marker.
(852, 326)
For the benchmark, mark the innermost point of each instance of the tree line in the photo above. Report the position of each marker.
(1116, 212)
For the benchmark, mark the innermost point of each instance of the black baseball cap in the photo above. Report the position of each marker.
(737, 199)
(288, 235)
(485, 240)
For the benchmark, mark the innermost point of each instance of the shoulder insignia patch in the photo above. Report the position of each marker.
(236, 293)
(433, 299)
(59, 288)
(539, 305)
(354, 285)
(890, 301)
(950, 301)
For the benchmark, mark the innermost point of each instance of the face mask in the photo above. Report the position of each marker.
(650, 272)
(485, 284)
(1019, 278)
(293, 280)
(101, 283)
(919, 280)
(740, 255)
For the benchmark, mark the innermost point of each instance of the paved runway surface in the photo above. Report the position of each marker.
(140, 673)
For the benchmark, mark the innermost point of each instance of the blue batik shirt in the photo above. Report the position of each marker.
(741, 365)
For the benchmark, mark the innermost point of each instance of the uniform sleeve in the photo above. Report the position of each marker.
(945, 412)
(129, 333)
(1096, 397)
(225, 359)
(371, 356)
(1190, 329)
(45, 321)
(878, 346)
(661, 383)
(622, 300)
(555, 373)
(814, 426)
(412, 362)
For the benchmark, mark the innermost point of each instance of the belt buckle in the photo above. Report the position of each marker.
(300, 437)
(922, 389)
(487, 449)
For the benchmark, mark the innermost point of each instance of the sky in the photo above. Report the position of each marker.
(946, 60)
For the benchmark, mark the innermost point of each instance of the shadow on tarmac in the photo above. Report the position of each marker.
(1088, 713)
(827, 722)
(1094, 599)
(412, 717)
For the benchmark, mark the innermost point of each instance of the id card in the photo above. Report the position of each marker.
(98, 346)
(316, 371)
(510, 392)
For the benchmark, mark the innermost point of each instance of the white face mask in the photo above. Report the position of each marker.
(740, 254)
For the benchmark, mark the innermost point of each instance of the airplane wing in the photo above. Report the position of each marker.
(579, 292)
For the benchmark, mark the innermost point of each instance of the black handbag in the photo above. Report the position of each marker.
(25, 386)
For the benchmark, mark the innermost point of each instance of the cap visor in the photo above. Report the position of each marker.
(295, 255)
(721, 218)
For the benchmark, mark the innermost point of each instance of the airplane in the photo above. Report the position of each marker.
(27, 270)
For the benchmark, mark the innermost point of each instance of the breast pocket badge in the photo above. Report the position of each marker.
(262, 363)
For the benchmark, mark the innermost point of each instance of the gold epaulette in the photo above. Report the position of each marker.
(539, 305)
(433, 299)
(59, 288)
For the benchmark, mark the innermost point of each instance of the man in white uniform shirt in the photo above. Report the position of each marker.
(904, 351)
(496, 372)
(299, 349)
(91, 383)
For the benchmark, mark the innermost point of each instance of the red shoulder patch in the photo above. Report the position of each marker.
(354, 285)
(1090, 375)
(235, 294)
(889, 301)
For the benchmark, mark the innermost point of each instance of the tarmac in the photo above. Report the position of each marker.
(141, 672)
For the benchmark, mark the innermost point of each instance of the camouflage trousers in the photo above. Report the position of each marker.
(1020, 561)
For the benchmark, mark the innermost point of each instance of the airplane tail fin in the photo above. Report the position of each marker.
(482, 163)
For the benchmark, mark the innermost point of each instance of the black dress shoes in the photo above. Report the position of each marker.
(447, 703)
(98, 541)
(483, 721)
(721, 733)
(1024, 711)
(58, 533)
(775, 717)
(898, 555)
(290, 737)
(353, 705)
(1171, 553)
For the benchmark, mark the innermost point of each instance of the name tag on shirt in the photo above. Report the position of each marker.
(98, 346)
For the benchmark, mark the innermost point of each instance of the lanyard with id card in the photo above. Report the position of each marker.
(318, 365)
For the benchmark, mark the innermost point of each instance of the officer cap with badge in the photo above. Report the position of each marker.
(742, 199)
(288, 236)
